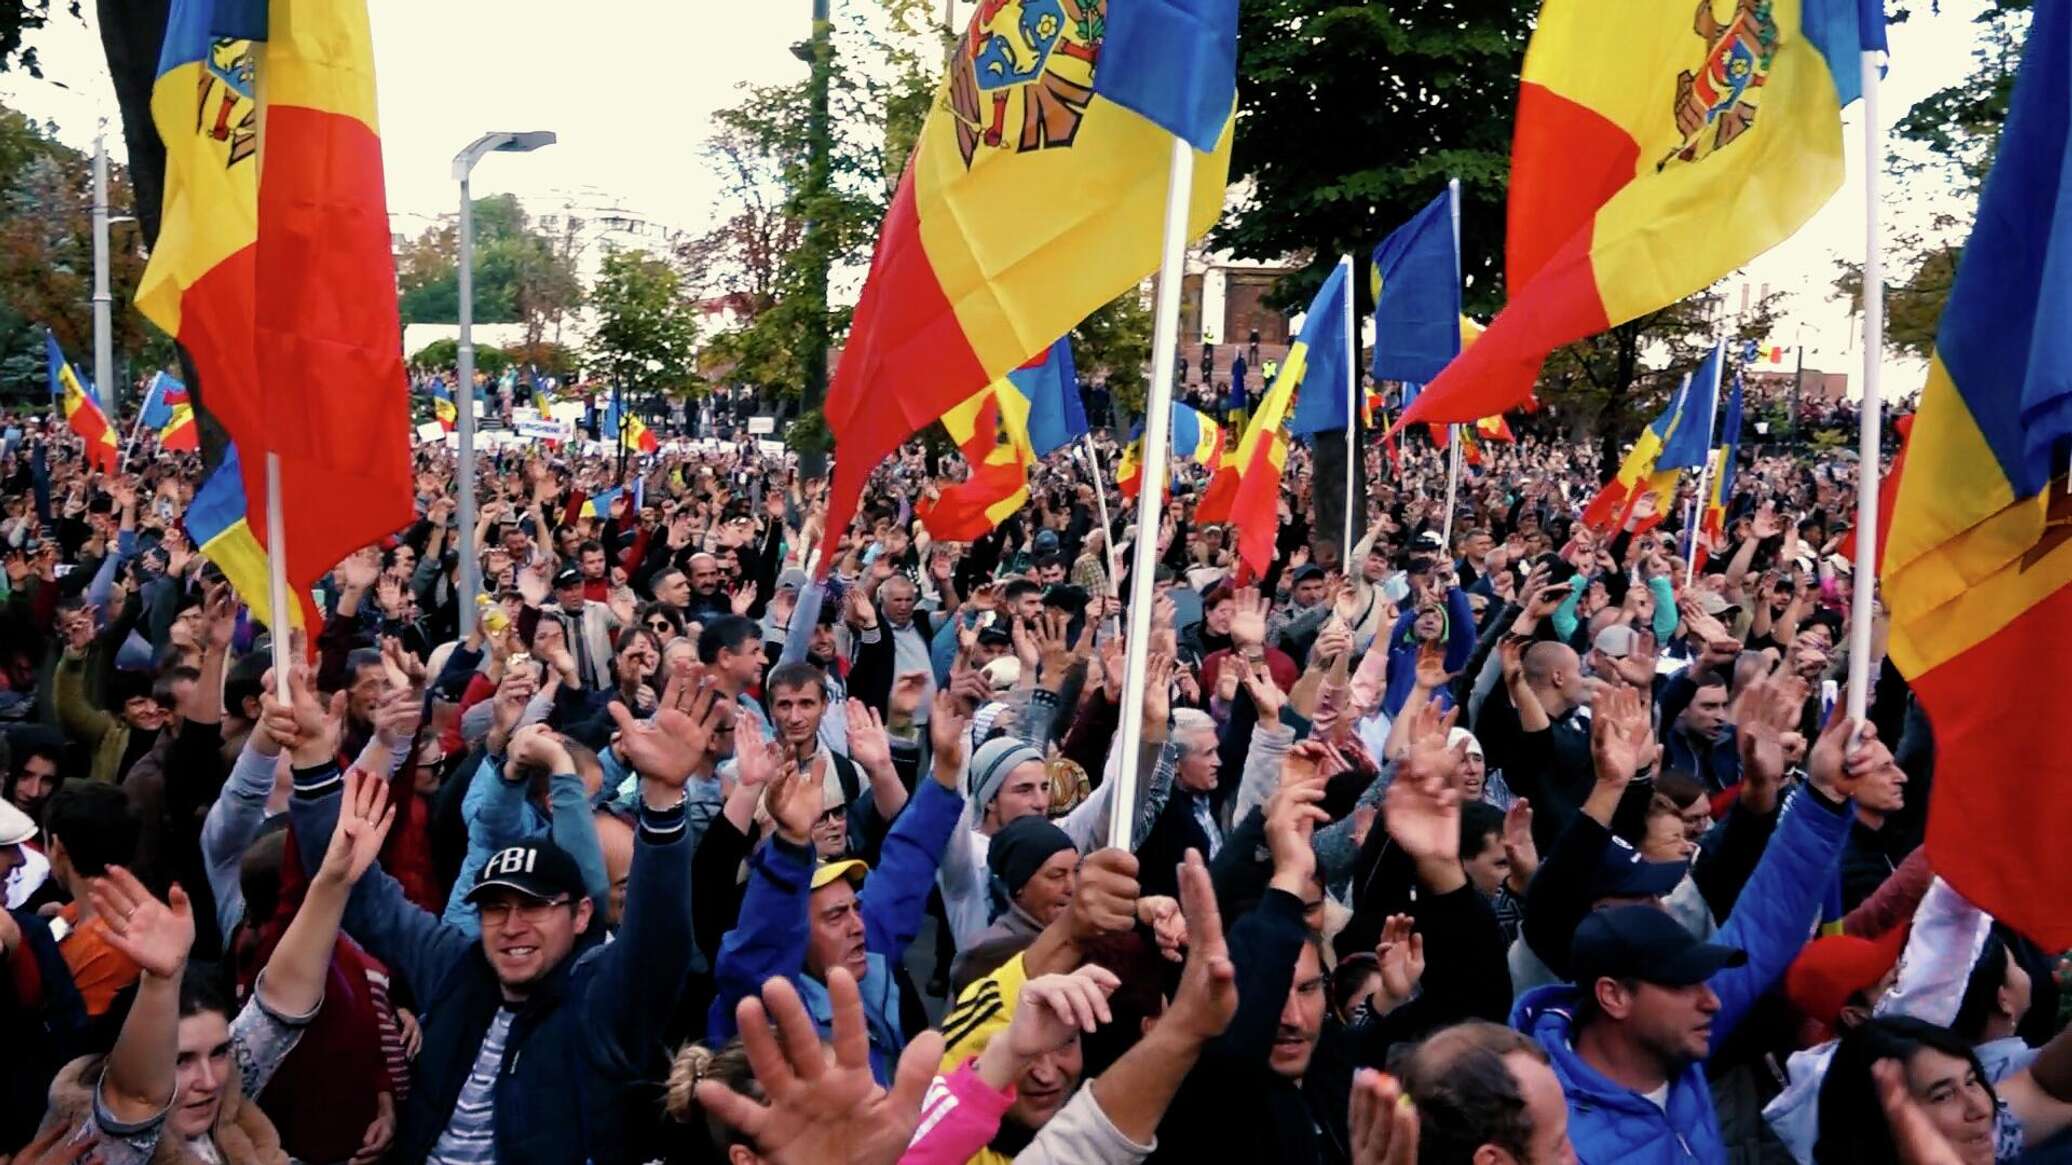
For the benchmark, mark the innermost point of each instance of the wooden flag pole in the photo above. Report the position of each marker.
(1862, 609)
(1155, 461)
(277, 578)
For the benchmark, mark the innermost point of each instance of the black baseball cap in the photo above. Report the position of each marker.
(539, 870)
(568, 576)
(1623, 873)
(1307, 571)
(1643, 942)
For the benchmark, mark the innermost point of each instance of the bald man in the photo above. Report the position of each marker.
(1536, 732)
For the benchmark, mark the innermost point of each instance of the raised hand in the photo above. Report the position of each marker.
(1206, 1000)
(1055, 1008)
(1382, 1124)
(1431, 668)
(743, 598)
(821, 1108)
(1167, 922)
(671, 745)
(793, 799)
(1914, 1136)
(1836, 767)
(1248, 623)
(1422, 808)
(868, 745)
(948, 728)
(1258, 680)
(154, 935)
(364, 818)
(1106, 901)
(1519, 847)
(1293, 814)
(1402, 955)
(1767, 710)
(219, 616)
(1620, 741)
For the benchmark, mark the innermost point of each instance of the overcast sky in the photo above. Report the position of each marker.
(629, 85)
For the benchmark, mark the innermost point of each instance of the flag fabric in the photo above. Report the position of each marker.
(1193, 436)
(1653, 153)
(1048, 391)
(288, 282)
(1321, 359)
(599, 504)
(1636, 476)
(1888, 498)
(81, 413)
(1721, 491)
(995, 445)
(1034, 194)
(163, 396)
(1264, 446)
(1417, 296)
(1255, 493)
(638, 436)
(217, 524)
(179, 434)
(1691, 443)
(1495, 428)
(1978, 571)
(443, 407)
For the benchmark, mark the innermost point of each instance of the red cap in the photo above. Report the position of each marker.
(1834, 967)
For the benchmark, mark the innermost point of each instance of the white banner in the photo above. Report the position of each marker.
(757, 426)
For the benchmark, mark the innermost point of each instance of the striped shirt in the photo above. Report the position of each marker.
(470, 1137)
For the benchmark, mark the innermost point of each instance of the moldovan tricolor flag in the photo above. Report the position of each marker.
(1979, 572)
(1658, 147)
(273, 268)
(1035, 194)
(81, 413)
(1193, 436)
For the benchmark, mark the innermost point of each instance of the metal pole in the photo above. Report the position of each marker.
(813, 393)
(1862, 605)
(1699, 505)
(1352, 418)
(104, 337)
(1452, 489)
(1156, 461)
(464, 400)
(1798, 377)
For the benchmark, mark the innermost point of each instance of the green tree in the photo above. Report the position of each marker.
(758, 254)
(1954, 133)
(1600, 387)
(1113, 346)
(46, 256)
(647, 328)
(444, 356)
(19, 19)
(521, 275)
(1353, 115)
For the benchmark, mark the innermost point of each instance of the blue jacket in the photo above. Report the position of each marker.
(585, 1052)
(1771, 921)
(499, 814)
(770, 940)
(1402, 669)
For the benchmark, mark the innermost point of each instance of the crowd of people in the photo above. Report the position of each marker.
(1491, 838)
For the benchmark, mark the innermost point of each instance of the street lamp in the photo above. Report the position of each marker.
(463, 165)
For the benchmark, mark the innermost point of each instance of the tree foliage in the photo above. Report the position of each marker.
(759, 254)
(1113, 346)
(17, 21)
(647, 327)
(1353, 115)
(46, 257)
(1957, 129)
(1602, 388)
(521, 274)
(444, 356)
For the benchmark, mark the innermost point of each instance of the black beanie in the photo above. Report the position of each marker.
(1020, 849)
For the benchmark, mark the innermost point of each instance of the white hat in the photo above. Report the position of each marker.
(1456, 735)
(15, 826)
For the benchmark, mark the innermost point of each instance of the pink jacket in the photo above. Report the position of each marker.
(958, 1117)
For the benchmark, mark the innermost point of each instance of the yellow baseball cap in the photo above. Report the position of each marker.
(853, 869)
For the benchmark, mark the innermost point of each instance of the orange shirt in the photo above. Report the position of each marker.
(99, 970)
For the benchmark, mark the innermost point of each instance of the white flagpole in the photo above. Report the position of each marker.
(1697, 518)
(1352, 416)
(1155, 463)
(1697, 509)
(1093, 462)
(1452, 431)
(150, 395)
(277, 577)
(1862, 605)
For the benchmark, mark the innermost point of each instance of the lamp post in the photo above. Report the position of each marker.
(464, 394)
(104, 340)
